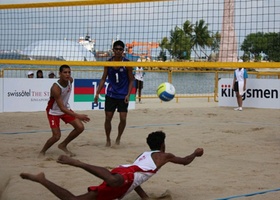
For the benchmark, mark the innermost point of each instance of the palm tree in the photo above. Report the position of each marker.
(179, 43)
(215, 46)
(164, 45)
(201, 37)
(188, 28)
(216, 40)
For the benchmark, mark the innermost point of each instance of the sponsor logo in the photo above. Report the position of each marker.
(227, 91)
(28, 93)
(23, 93)
(84, 90)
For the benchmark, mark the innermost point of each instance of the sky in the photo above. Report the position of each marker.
(148, 22)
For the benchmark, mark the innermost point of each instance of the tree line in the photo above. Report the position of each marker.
(197, 38)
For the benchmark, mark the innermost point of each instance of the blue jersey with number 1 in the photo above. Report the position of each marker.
(118, 81)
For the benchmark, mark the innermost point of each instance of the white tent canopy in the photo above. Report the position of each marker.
(60, 49)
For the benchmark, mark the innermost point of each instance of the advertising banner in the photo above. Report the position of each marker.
(26, 95)
(30, 95)
(260, 93)
(84, 93)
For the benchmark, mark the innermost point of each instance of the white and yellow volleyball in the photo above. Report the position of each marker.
(166, 91)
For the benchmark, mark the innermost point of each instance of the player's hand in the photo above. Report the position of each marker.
(199, 152)
(126, 99)
(84, 118)
(96, 98)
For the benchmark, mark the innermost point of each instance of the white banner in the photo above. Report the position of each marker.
(26, 95)
(260, 93)
(30, 95)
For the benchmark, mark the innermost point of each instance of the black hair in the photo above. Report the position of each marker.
(118, 43)
(155, 140)
(62, 67)
(39, 71)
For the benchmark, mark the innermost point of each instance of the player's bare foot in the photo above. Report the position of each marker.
(37, 178)
(63, 159)
(118, 142)
(41, 155)
(108, 143)
(71, 154)
(63, 148)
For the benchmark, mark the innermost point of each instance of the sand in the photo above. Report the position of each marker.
(241, 151)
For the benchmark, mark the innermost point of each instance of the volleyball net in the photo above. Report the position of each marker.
(178, 33)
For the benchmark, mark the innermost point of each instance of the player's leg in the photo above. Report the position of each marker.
(122, 109)
(54, 122)
(240, 94)
(78, 129)
(110, 107)
(58, 191)
(140, 90)
(108, 126)
(236, 89)
(56, 134)
(112, 180)
(239, 100)
(121, 127)
(136, 86)
(139, 94)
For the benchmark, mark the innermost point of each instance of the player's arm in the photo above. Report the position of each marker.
(185, 160)
(130, 84)
(101, 84)
(245, 79)
(141, 192)
(234, 79)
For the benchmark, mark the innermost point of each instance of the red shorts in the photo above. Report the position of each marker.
(54, 120)
(105, 192)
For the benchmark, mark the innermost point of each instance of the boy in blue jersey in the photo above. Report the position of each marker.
(120, 81)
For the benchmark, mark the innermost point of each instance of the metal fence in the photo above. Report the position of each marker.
(189, 83)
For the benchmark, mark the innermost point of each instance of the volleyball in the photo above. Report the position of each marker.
(166, 91)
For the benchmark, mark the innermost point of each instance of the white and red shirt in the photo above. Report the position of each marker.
(65, 95)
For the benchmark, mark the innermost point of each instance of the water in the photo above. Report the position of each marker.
(184, 82)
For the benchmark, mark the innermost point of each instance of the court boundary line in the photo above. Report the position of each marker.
(249, 194)
(145, 126)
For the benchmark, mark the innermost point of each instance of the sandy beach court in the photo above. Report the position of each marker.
(241, 151)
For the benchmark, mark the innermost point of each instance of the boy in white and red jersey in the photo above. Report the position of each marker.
(123, 179)
(59, 108)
